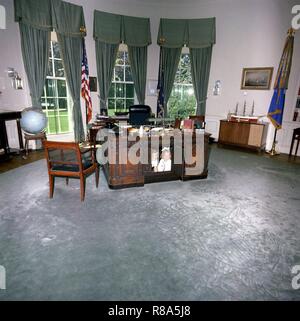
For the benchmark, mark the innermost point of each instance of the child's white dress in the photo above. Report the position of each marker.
(165, 165)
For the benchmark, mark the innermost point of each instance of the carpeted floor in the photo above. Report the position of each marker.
(234, 236)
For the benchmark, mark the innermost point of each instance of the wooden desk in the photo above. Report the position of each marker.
(243, 134)
(124, 174)
(6, 115)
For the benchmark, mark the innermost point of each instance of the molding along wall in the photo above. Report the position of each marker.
(249, 34)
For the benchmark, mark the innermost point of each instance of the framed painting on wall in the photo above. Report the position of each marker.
(257, 78)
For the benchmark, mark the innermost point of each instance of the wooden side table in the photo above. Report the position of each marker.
(40, 136)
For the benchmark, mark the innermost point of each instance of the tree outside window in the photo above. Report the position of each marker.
(182, 102)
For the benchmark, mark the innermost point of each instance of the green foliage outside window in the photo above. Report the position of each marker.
(182, 102)
(55, 96)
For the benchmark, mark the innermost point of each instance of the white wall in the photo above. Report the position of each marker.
(250, 33)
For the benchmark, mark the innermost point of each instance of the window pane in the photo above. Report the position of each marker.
(119, 73)
(50, 87)
(50, 68)
(52, 123)
(64, 121)
(55, 97)
(56, 50)
(111, 103)
(51, 103)
(129, 102)
(50, 51)
(129, 91)
(112, 91)
(59, 68)
(43, 103)
(128, 76)
(63, 104)
(120, 90)
(120, 58)
(62, 88)
(120, 104)
(126, 59)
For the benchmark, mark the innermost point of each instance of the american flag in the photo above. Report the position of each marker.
(85, 84)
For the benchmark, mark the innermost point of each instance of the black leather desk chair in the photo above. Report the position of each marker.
(139, 115)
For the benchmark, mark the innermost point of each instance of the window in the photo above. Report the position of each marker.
(121, 94)
(182, 102)
(55, 99)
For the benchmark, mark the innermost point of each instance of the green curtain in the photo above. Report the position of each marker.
(106, 55)
(36, 13)
(201, 32)
(138, 64)
(35, 25)
(114, 29)
(194, 33)
(35, 51)
(69, 24)
(169, 63)
(71, 50)
(109, 31)
(172, 33)
(136, 31)
(200, 68)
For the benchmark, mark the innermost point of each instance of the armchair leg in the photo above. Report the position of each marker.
(97, 176)
(67, 180)
(297, 147)
(82, 188)
(51, 185)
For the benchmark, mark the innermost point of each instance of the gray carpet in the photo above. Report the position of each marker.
(234, 236)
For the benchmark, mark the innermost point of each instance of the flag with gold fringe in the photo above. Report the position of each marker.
(276, 108)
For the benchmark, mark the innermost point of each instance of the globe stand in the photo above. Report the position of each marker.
(40, 136)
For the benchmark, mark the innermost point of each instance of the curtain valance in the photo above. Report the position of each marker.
(36, 13)
(113, 29)
(68, 19)
(194, 33)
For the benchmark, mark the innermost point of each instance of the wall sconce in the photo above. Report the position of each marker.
(217, 88)
(16, 80)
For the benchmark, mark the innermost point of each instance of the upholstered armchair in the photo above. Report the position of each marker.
(68, 160)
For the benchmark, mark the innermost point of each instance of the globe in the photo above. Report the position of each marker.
(33, 120)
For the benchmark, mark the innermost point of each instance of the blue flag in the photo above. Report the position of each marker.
(275, 113)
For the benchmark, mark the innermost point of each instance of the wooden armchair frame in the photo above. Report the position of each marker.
(80, 172)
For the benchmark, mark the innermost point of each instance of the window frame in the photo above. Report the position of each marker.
(181, 87)
(56, 97)
(124, 82)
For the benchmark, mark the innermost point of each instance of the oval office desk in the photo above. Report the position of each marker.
(124, 174)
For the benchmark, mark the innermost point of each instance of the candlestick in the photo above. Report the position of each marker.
(252, 112)
(236, 109)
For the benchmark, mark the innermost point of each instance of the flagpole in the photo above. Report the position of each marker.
(86, 120)
(272, 151)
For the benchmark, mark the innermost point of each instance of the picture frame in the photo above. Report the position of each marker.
(152, 87)
(257, 78)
